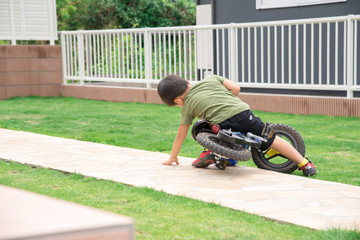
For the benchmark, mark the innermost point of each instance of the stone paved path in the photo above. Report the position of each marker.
(286, 198)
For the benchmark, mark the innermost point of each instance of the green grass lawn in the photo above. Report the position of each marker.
(332, 143)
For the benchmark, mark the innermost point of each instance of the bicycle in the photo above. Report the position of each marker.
(227, 144)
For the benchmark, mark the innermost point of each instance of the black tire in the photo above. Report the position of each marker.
(278, 162)
(214, 144)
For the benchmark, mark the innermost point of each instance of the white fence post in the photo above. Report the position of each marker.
(350, 57)
(148, 57)
(64, 46)
(80, 43)
(232, 53)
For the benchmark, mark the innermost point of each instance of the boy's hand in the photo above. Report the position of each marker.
(171, 160)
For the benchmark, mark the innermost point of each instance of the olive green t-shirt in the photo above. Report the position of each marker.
(210, 100)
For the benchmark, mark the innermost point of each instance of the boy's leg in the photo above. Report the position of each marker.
(288, 151)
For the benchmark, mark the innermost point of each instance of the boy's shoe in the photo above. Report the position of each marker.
(308, 169)
(204, 160)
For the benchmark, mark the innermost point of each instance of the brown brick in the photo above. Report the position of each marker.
(2, 93)
(50, 64)
(35, 90)
(14, 52)
(30, 51)
(49, 78)
(73, 91)
(152, 96)
(17, 91)
(18, 78)
(19, 65)
(49, 90)
(99, 93)
(46, 51)
(127, 95)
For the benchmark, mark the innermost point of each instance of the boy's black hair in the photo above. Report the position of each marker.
(171, 87)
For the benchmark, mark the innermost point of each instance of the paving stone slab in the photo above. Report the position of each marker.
(282, 197)
(27, 215)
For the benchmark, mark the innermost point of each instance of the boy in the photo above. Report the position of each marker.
(215, 99)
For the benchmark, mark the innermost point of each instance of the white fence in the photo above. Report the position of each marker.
(315, 54)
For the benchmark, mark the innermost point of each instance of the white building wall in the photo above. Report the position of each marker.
(28, 20)
(204, 40)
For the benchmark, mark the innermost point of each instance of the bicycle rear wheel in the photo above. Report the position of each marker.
(273, 160)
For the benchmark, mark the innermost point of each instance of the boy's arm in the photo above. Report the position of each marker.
(179, 139)
(233, 87)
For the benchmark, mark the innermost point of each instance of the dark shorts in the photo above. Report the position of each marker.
(247, 122)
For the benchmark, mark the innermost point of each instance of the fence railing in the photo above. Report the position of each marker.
(316, 54)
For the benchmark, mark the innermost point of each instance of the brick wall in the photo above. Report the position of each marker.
(115, 94)
(305, 105)
(30, 70)
(264, 102)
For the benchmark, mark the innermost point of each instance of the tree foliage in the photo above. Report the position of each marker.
(114, 14)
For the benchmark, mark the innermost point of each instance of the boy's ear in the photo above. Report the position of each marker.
(177, 101)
